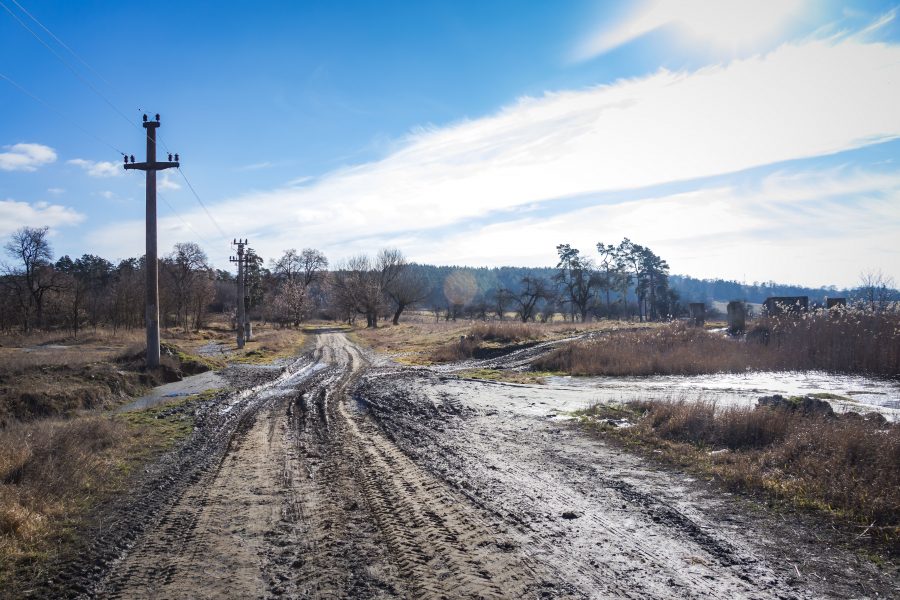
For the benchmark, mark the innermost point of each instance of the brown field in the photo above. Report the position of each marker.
(44, 375)
(848, 467)
(53, 471)
(61, 451)
(422, 341)
(842, 341)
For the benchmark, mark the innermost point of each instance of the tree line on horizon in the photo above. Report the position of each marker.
(625, 280)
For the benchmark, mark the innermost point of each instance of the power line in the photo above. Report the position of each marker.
(63, 44)
(183, 220)
(95, 90)
(76, 55)
(59, 113)
(66, 63)
(197, 196)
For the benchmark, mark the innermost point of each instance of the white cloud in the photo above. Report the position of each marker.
(100, 168)
(15, 214)
(817, 227)
(728, 24)
(56, 191)
(801, 100)
(26, 157)
(166, 183)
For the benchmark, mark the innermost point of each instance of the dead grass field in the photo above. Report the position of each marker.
(52, 471)
(849, 341)
(425, 342)
(47, 375)
(847, 467)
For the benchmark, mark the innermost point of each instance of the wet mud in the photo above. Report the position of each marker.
(344, 476)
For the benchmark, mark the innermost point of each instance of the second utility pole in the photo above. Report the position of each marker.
(151, 265)
(241, 319)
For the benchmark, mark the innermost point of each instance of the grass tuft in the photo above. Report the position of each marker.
(847, 466)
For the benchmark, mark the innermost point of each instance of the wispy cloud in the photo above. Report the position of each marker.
(97, 168)
(731, 24)
(26, 157)
(166, 183)
(15, 214)
(801, 100)
(815, 226)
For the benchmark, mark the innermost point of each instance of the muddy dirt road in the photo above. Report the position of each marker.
(348, 477)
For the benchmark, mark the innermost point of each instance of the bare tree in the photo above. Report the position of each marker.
(500, 299)
(534, 289)
(407, 289)
(291, 303)
(875, 289)
(360, 286)
(308, 266)
(188, 277)
(578, 278)
(300, 276)
(34, 276)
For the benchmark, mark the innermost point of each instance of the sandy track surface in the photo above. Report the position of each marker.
(345, 477)
(311, 499)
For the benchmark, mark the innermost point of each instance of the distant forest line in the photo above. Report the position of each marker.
(41, 291)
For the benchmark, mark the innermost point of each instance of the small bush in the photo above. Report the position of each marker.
(848, 465)
(505, 332)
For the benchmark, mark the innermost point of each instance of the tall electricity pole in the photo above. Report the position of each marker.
(241, 318)
(151, 166)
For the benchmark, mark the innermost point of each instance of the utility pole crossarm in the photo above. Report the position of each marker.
(156, 166)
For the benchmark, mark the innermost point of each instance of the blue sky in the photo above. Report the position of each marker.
(753, 141)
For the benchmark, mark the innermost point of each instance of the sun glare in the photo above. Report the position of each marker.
(729, 25)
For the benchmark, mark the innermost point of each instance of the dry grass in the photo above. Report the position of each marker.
(850, 340)
(19, 353)
(412, 342)
(674, 349)
(271, 343)
(52, 472)
(421, 341)
(840, 341)
(59, 390)
(847, 466)
(493, 334)
(508, 333)
(101, 370)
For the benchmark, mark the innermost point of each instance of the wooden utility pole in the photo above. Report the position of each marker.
(150, 258)
(241, 310)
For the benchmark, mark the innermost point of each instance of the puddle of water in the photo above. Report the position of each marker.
(195, 384)
(860, 394)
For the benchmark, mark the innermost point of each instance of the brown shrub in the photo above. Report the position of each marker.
(675, 349)
(454, 351)
(853, 341)
(844, 464)
(849, 340)
(506, 332)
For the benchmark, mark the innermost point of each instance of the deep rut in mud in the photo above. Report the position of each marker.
(342, 479)
(312, 500)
